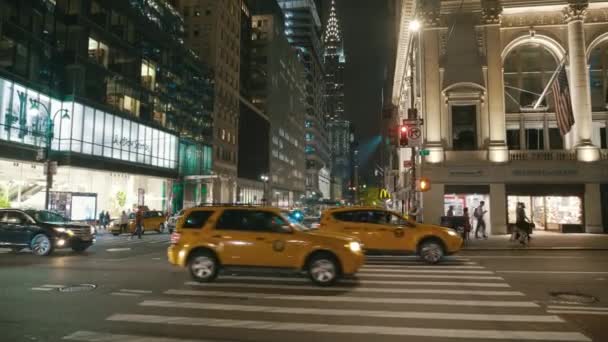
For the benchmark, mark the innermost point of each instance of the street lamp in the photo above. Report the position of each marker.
(414, 25)
(49, 138)
(264, 178)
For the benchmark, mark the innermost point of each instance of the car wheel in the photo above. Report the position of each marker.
(323, 269)
(41, 245)
(203, 267)
(431, 251)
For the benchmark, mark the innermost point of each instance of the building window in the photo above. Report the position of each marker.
(548, 212)
(556, 142)
(98, 52)
(598, 75)
(148, 74)
(534, 137)
(464, 128)
(527, 70)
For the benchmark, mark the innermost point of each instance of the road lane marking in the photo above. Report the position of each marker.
(434, 276)
(593, 308)
(410, 257)
(118, 249)
(577, 312)
(552, 272)
(442, 271)
(519, 335)
(124, 294)
(135, 291)
(353, 299)
(522, 257)
(357, 313)
(92, 336)
(357, 289)
(374, 282)
(42, 289)
(53, 286)
(420, 267)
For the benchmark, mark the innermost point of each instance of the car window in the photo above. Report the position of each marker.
(197, 219)
(397, 220)
(250, 220)
(49, 217)
(347, 216)
(14, 217)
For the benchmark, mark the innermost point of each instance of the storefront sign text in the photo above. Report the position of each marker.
(545, 173)
(124, 142)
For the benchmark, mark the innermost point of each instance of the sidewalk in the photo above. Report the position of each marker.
(542, 241)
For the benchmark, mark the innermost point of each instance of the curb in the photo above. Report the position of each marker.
(535, 249)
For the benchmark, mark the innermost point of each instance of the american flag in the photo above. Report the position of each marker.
(563, 103)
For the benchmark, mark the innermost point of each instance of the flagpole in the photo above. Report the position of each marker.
(553, 77)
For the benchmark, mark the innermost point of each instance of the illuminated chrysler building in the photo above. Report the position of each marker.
(338, 127)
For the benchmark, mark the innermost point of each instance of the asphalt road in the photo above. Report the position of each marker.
(475, 296)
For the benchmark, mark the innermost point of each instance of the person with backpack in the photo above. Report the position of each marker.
(479, 214)
(523, 224)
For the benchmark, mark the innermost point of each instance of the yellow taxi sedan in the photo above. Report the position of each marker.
(385, 231)
(211, 238)
(153, 221)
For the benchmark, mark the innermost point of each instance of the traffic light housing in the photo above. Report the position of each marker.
(423, 184)
(403, 135)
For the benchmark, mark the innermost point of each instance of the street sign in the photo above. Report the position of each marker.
(407, 164)
(52, 166)
(424, 152)
(415, 136)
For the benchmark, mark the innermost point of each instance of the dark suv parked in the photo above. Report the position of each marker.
(42, 231)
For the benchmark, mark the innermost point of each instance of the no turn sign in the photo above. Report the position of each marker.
(415, 137)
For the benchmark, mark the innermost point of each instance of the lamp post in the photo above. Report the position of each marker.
(49, 138)
(264, 179)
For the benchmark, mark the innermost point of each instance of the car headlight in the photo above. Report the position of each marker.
(64, 230)
(354, 246)
(452, 233)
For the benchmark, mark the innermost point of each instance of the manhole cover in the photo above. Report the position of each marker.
(574, 297)
(78, 288)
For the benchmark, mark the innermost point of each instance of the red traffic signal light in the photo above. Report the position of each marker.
(403, 135)
(403, 129)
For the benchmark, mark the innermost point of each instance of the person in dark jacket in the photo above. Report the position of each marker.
(522, 223)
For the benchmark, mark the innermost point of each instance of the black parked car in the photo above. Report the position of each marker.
(42, 231)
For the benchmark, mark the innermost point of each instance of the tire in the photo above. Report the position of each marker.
(79, 248)
(203, 267)
(431, 251)
(323, 269)
(41, 245)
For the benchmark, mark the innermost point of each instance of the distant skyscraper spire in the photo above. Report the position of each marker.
(332, 30)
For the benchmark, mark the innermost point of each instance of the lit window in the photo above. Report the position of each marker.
(148, 74)
(98, 52)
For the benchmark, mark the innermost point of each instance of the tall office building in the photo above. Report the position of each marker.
(212, 30)
(338, 128)
(303, 30)
(277, 79)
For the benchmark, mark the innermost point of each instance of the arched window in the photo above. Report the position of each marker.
(598, 77)
(527, 71)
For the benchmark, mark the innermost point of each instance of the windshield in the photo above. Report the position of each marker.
(46, 216)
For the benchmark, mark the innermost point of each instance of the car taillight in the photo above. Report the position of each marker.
(175, 236)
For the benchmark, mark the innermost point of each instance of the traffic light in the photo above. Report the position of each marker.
(403, 135)
(423, 184)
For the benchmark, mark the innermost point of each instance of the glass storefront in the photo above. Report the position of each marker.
(26, 115)
(470, 201)
(22, 185)
(548, 212)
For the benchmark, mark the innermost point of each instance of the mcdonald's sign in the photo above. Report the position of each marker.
(383, 194)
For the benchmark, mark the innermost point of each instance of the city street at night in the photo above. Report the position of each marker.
(137, 296)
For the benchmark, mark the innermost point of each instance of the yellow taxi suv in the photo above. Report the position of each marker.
(207, 239)
(153, 221)
(385, 231)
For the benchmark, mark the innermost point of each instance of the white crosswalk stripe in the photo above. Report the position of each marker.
(389, 300)
(107, 241)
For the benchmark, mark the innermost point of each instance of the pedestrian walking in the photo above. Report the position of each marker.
(467, 223)
(124, 221)
(139, 223)
(107, 219)
(523, 224)
(450, 211)
(479, 214)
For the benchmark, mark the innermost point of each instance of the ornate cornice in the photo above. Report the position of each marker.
(491, 12)
(576, 10)
(429, 13)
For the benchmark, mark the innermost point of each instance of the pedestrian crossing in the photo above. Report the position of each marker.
(402, 299)
(108, 240)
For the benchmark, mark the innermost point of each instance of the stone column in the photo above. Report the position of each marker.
(432, 204)
(593, 209)
(431, 81)
(495, 99)
(498, 209)
(574, 15)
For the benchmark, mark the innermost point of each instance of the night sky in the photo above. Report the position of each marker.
(364, 26)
